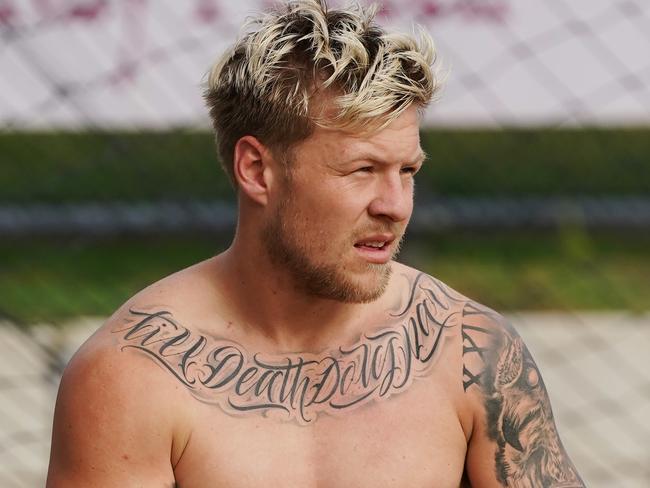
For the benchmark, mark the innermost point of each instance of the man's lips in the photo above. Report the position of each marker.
(376, 248)
(375, 240)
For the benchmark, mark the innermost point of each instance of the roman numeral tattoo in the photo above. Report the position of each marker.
(300, 387)
(475, 341)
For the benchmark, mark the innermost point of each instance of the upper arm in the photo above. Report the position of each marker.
(514, 441)
(110, 429)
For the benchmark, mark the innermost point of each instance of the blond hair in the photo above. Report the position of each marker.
(266, 85)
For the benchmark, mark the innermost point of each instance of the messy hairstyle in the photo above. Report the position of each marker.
(303, 65)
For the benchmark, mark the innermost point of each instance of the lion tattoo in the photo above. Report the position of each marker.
(530, 453)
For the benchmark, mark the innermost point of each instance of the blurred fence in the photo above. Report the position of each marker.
(441, 215)
(544, 123)
(595, 367)
(135, 63)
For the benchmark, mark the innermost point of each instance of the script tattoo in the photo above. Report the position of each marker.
(300, 386)
(519, 417)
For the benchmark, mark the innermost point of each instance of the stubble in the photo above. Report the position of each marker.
(291, 246)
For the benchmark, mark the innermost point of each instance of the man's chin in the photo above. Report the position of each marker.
(368, 286)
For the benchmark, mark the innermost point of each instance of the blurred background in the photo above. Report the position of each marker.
(535, 200)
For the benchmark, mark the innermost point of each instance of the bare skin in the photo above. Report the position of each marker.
(315, 361)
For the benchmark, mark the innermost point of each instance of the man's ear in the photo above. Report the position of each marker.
(253, 168)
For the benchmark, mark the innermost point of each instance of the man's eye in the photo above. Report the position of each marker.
(364, 169)
(409, 170)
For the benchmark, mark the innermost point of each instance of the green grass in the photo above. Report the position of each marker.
(567, 270)
(537, 162)
(57, 281)
(108, 166)
(182, 165)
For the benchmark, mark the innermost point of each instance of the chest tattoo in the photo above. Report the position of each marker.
(298, 386)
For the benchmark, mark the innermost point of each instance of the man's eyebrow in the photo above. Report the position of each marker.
(420, 158)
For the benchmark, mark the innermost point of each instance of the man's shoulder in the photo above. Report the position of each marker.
(102, 370)
(188, 296)
(191, 288)
(414, 279)
(415, 282)
(479, 328)
(108, 361)
(114, 409)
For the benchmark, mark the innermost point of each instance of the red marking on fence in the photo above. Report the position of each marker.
(494, 11)
(132, 42)
(7, 14)
(88, 11)
(206, 11)
(431, 9)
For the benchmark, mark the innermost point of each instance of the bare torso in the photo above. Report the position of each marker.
(385, 409)
(412, 440)
(427, 389)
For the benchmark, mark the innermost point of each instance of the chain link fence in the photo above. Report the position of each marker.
(137, 64)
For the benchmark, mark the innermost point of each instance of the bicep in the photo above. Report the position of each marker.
(515, 440)
(104, 433)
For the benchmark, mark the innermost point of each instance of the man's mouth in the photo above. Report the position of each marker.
(374, 244)
(375, 249)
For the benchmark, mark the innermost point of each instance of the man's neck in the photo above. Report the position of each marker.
(268, 301)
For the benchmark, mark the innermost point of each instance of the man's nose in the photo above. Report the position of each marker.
(393, 198)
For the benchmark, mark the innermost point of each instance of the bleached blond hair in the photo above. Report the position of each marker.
(303, 65)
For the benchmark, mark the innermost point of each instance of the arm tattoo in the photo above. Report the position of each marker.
(519, 417)
(474, 343)
(300, 386)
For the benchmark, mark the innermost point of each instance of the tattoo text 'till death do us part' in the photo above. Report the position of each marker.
(300, 386)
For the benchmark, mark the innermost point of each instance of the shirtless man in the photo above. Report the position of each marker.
(304, 356)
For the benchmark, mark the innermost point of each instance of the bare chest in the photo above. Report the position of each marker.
(411, 440)
(377, 412)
